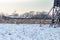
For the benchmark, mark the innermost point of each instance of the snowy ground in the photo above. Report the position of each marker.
(28, 32)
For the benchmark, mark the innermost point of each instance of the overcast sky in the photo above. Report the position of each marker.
(21, 6)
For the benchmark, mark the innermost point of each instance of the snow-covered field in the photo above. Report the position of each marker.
(28, 32)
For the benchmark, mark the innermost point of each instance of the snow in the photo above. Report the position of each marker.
(28, 32)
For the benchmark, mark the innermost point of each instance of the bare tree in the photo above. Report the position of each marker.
(42, 15)
(15, 13)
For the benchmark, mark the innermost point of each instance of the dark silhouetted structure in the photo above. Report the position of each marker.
(56, 2)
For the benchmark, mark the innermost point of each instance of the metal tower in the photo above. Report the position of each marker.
(56, 12)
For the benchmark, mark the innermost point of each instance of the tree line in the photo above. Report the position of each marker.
(32, 14)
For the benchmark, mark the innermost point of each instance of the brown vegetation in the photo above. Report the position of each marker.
(24, 21)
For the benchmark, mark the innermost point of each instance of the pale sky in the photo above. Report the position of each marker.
(21, 6)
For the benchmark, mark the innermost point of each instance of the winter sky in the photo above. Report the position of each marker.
(21, 6)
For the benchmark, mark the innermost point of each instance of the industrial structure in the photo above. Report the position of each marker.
(55, 11)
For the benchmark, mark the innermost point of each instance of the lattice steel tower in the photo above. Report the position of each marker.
(56, 12)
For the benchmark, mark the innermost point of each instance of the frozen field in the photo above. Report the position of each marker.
(28, 32)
